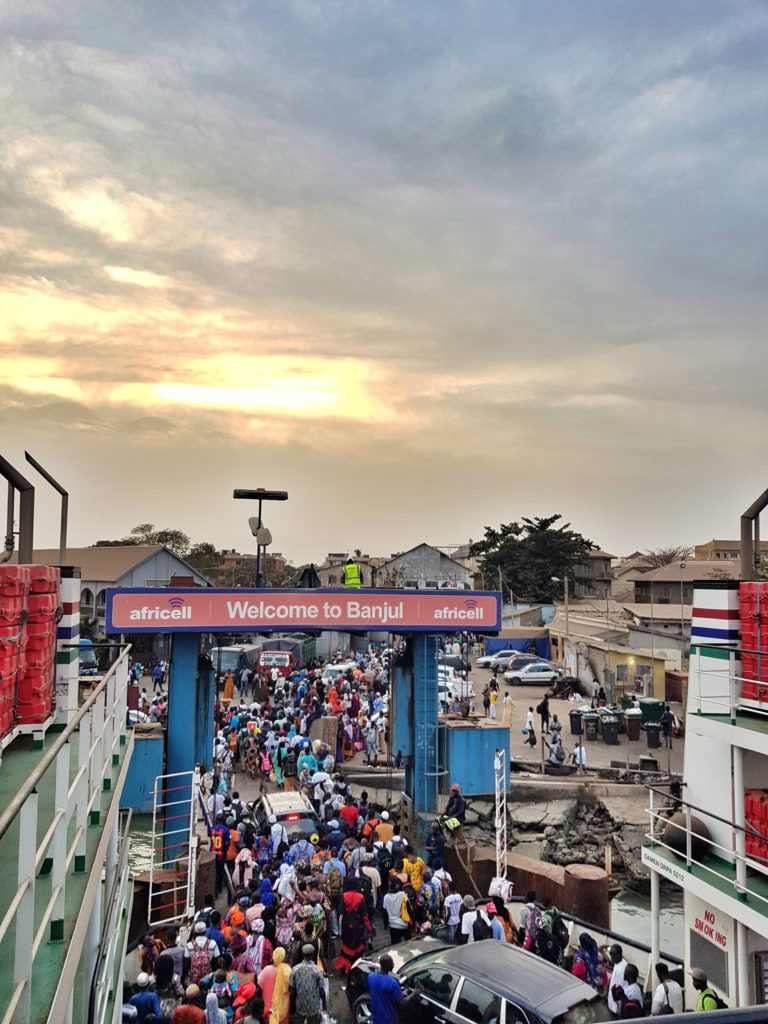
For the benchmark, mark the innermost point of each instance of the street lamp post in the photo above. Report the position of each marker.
(259, 494)
(682, 614)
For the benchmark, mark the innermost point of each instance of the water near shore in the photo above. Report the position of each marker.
(631, 916)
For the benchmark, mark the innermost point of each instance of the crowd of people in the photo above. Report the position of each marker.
(290, 910)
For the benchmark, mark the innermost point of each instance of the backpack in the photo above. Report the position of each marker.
(721, 1005)
(631, 1010)
(480, 930)
(200, 964)
(385, 859)
(560, 929)
(168, 1004)
(540, 708)
(547, 946)
(149, 953)
(560, 753)
(334, 882)
(366, 888)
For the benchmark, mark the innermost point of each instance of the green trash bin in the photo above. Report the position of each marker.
(626, 701)
(575, 717)
(651, 708)
(610, 730)
(590, 724)
(634, 718)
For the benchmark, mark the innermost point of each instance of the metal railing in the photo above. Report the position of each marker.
(660, 822)
(100, 725)
(732, 699)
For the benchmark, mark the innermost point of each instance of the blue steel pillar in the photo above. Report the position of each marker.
(189, 739)
(425, 762)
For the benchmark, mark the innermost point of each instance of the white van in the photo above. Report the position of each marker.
(335, 672)
(453, 683)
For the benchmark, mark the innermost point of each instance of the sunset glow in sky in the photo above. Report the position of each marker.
(426, 266)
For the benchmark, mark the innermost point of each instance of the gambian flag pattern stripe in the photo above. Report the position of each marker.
(716, 619)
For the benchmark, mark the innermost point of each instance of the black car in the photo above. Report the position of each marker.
(485, 982)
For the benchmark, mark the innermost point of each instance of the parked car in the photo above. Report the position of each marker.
(454, 661)
(533, 672)
(497, 660)
(479, 984)
(522, 659)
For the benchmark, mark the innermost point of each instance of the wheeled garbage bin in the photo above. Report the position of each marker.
(590, 725)
(575, 716)
(634, 719)
(610, 730)
(653, 734)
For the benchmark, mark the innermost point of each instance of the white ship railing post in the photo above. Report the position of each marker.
(739, 820)
(82, 791)
(58, 849)
(655, 909)
(688, 836)
(25, 914)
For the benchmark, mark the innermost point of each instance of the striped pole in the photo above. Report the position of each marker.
(68, 656)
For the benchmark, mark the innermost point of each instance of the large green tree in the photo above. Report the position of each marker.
(526, 555)
(147, 533)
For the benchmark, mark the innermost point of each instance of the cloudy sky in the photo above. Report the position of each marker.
(426, 265)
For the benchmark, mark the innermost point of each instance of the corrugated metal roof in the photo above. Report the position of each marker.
(105, 564)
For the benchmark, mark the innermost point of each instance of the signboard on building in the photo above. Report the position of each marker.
(167, 610)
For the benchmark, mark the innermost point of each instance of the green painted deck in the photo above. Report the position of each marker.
(722, 875)
(754, 722)
(18, 761)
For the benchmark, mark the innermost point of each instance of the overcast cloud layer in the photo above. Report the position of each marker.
(428, 266)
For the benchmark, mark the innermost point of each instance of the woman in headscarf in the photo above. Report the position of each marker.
(286, 918)
(258, 951)
(273, 982)
(213, 1015)
(355, 927)
(586, 963)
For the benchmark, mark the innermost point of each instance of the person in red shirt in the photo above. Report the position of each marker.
(350, 814)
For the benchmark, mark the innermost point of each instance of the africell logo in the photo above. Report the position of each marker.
(176, 610)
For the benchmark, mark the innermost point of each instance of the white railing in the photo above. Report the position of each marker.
(730, 699)
(101, 728)
(659, 822)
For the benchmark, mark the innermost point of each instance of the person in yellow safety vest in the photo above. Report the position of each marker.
(351, 574)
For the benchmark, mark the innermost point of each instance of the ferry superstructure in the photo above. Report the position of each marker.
(717, 853)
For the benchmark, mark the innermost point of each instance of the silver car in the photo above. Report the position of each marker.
(498, 660)
(535, 672)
